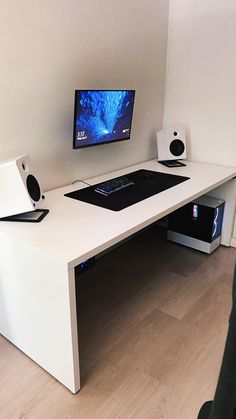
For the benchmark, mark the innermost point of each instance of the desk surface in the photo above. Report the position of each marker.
(74, 231)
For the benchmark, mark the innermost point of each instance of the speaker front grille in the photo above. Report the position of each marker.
(33, 188)
(177, 147)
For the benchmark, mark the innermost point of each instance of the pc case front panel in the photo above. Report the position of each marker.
(197, 221)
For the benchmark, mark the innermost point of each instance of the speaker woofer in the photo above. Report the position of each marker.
(33, 188)
(177, 147)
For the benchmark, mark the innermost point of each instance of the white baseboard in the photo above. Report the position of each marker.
(233, 242)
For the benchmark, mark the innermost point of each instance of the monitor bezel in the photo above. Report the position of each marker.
(76, 147)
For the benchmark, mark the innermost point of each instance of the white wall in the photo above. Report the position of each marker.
(201, 78)
(49, 49)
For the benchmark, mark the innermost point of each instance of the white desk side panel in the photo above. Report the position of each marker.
(38, 309)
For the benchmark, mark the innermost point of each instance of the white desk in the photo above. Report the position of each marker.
(37, 281)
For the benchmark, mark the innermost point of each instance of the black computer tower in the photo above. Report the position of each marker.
(198, 224)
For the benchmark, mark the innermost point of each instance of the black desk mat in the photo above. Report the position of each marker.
(146, 183)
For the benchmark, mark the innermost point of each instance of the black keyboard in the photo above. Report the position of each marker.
(113, 185)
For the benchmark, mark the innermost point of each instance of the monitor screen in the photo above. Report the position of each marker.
(102, 116)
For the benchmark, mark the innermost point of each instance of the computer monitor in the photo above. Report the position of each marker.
(102, 116)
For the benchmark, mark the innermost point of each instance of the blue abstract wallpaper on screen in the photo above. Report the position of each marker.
(102, 116)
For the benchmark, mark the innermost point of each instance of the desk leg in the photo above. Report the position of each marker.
(38, 309)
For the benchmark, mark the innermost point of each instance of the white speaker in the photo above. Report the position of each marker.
(19, 189)
(171, 144)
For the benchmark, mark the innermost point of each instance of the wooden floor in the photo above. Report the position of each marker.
(153, 317)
